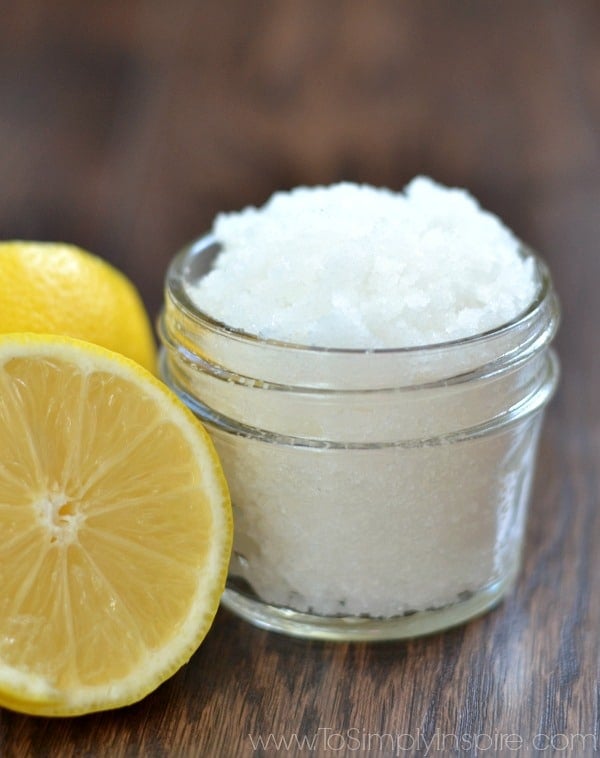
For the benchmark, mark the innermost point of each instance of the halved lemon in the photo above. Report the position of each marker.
(115, 528)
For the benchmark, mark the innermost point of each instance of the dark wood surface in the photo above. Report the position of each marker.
(124, 126)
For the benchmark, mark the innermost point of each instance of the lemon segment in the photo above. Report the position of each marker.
(115, 526)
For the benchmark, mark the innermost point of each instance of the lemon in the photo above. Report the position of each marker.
(115, 528)
(57, 288)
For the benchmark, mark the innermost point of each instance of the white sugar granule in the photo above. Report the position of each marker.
(353, 266)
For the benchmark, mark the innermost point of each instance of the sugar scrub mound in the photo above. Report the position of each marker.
(353, 266)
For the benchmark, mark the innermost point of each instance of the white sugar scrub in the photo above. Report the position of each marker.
(352, 266)
(373, 369)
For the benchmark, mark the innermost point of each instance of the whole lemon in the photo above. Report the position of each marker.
(56, 288)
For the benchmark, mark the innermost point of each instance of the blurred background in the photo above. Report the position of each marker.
(125, 126)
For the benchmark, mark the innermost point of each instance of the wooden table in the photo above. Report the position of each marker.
(125, 126)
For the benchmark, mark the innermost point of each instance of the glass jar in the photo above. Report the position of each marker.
(378, 494)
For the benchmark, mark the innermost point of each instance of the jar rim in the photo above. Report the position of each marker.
(176, 275)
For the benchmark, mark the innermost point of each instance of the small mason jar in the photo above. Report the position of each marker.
(377, 494)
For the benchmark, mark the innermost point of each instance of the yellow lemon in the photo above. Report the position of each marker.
(115, 528)
(57, 288)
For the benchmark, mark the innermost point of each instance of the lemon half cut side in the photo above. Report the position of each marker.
(115, 528)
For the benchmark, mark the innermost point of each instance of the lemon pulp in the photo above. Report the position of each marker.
(115, 528)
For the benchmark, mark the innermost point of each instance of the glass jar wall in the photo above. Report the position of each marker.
(377, 494)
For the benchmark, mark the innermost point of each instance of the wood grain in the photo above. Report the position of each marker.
(124, 127)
